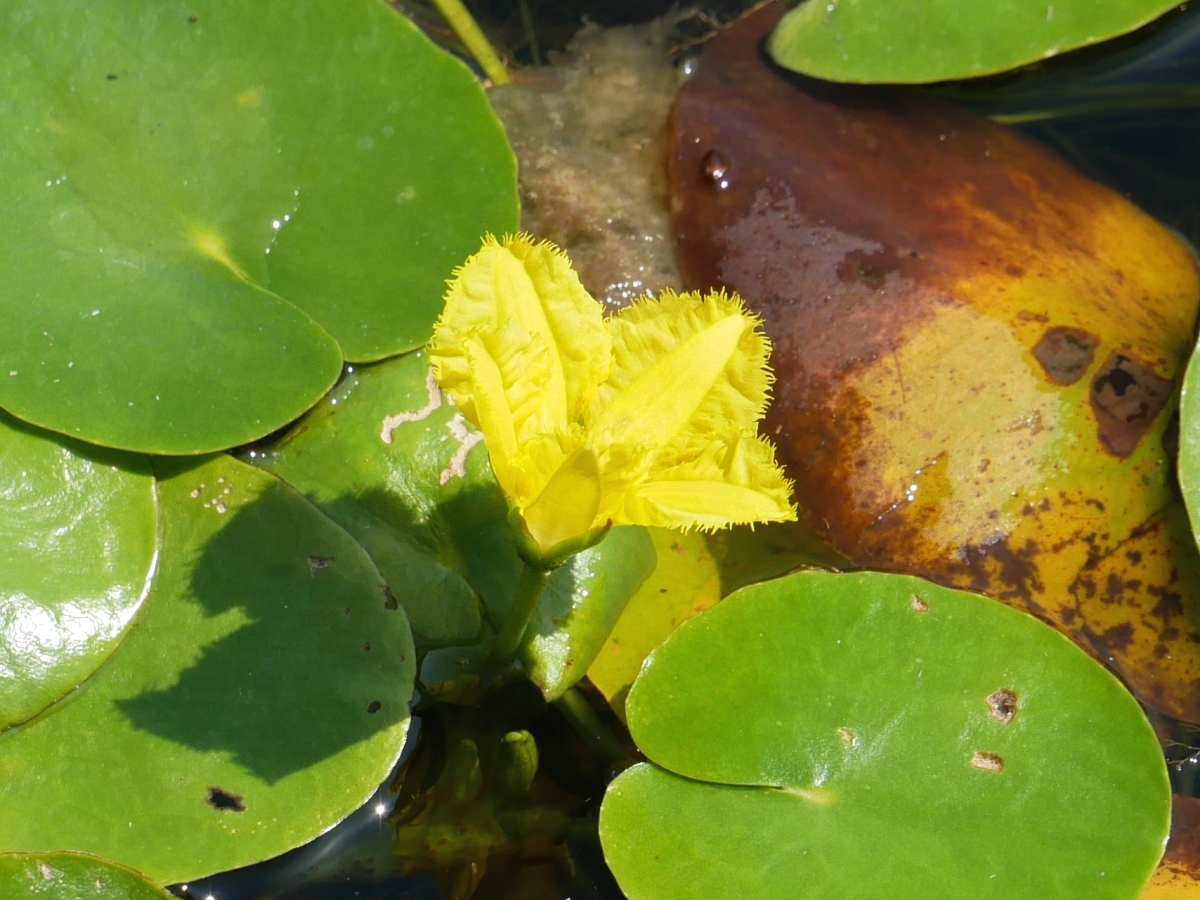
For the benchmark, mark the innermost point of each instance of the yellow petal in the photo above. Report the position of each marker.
(492, 414)
(706, 505)
(731, 481)
(683, 366)
(522, 301)
(566, 507)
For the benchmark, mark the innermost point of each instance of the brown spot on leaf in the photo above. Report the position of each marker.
(988, 762)
(221, 799)
(374, 706)
(1003, 704)
(389, 599)
(1115, 640)
(1169, 605)
(1004, 571)
(1126, 397)
(317, 563)
(919, 604)
(847, 736)
(1065, 353)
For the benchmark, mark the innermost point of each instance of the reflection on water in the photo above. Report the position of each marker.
(1126, 113)
(451, 822)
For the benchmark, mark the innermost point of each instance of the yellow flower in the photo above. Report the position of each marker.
(648, 417)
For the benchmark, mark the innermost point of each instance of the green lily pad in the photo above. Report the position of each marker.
(918, 41)
(868, 735)
(200, 209)
(65, 875)
(262, 696)
(79, 538)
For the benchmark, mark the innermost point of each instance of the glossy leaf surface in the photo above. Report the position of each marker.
(915, 41)
(871, 735)
(199, 209)
(79, 538)
(580, 605)
(976, 348)
(261, 697)
(72, 876)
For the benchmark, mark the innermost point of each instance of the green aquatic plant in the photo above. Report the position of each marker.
(922, 41)
(226, 246)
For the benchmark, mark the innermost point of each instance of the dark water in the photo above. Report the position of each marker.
(1126, 114)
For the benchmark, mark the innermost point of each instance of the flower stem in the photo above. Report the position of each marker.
(468, 32)
(529, 589)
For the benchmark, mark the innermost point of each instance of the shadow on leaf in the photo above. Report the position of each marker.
(323, 661)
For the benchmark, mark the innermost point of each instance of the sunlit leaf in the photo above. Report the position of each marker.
(72, 876)
(914, 41)
(875, 735)
(262, 696)
(204, 213)
(78, 534)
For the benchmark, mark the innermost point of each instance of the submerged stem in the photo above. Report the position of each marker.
(529, 589)
(468, 32)
(530, 33)
(589, 726)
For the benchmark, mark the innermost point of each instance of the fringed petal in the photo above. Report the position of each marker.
(524, 303)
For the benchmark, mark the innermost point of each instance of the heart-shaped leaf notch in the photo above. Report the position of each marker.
(870, 735)
(204, 213)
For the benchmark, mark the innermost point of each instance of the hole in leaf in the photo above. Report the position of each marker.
(1003, 704)
(989, 762)
(1065, 353)
(317, 563)
(223, 800)
(389, 599)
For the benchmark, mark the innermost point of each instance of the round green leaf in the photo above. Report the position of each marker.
(67, 875)
(869, 735)
(391, 460)
(195, 202)
(916, 41)
(78, 531)
(261, 697)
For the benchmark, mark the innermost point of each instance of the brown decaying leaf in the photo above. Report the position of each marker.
(977, 347)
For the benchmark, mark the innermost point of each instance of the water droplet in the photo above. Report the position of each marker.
(716, 168)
